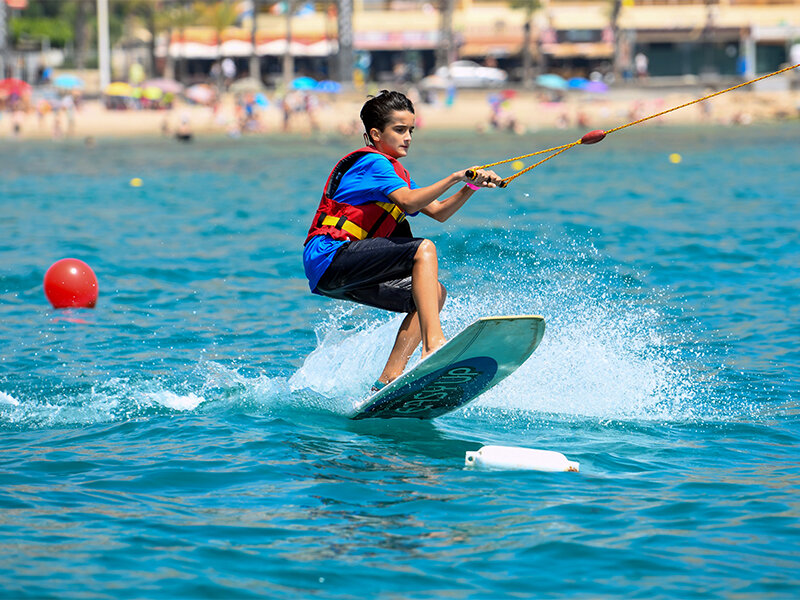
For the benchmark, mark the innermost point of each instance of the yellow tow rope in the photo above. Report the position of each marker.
(597, 135)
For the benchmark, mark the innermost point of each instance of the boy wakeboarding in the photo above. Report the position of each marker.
(360, 246)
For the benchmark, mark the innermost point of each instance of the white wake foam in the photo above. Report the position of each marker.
(8, 399)
(175, 401)
(610, 350)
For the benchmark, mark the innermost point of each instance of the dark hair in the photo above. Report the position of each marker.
(377, 111)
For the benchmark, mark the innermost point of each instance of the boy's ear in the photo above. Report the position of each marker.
(375, 134)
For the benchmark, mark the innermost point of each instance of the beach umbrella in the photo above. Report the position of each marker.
(552, 81)
(261, 100)
(597, 87)
(304, 83)
(152, 93)
(577, 83)
(200, 93)
(68, 81)
(168, 86)
(15, 86)
(327, 86)
(118, 88)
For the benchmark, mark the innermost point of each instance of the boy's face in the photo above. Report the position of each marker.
(395, 138)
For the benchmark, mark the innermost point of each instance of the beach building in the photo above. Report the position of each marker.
(405, 40)
(408, 38)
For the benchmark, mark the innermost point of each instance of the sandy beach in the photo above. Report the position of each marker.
(471, 109)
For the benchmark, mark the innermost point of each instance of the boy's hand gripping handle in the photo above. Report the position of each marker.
(474, 175)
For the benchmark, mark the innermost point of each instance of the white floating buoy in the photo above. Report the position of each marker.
(510, 458)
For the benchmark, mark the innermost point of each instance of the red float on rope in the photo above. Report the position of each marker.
(593, 136)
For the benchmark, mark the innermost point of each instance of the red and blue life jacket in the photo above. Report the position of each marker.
(343, 221)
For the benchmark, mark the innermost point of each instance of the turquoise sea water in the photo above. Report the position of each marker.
(187, 437)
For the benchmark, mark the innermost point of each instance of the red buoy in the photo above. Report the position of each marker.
(70, 282)
(593, 136)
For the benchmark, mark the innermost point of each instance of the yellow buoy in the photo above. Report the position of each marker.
(518, 165)
(675, 158)
(136, 182)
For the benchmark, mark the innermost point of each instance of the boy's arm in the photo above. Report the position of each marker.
(420, 199)
(444, 209)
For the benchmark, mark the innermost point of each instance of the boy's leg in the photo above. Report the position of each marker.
(425, 288)
(408, 338)
(365, 272)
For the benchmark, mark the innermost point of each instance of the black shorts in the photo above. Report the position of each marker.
(374, 271)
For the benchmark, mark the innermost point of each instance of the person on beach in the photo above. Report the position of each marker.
(360, 246)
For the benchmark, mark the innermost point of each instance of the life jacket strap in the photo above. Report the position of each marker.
(342, 223)
(393, 210)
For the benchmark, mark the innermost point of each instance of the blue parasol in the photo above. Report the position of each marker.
(577, 83)
(328, 87)
(68, 81)
(552, 81)
(304, 83)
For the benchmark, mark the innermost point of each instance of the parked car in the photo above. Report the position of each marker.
(469, 74)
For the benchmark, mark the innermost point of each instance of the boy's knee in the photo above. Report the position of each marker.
(426, 251)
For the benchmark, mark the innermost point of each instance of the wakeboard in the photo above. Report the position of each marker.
(472, 362)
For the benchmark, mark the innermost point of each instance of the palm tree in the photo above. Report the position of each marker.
(182, 16)
(444, 53)
(288, 59)
(529, 7)
(219, 16)
(174, 16)
(344, 27)
(255, 64)
(81, 33)
(77, 14)
(613, 21)
(146, 10)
